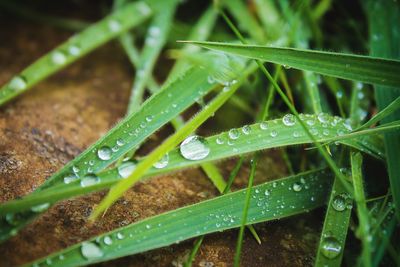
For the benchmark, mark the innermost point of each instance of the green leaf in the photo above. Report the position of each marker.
(366, 69)
(209, 216)
(76, 47)
(261, 136)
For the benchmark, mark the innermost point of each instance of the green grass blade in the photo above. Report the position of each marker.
(383, 17)
(363, 231)
(76, 47)
(333, 236)
(155, 40)
(261, 136)
(200, 219)
(366, 69)
(212, 172)
(389, 109)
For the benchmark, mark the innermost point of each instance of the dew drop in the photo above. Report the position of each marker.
(219, 140)
(104, 153)
(297, 187)
(17, 83)
(246, 129)
(58, 58)
(289, 120)
(287, 67)
(120, 236)
(89, 179)
(194, 148)
(107, 240)
(331, 248)
(149, 118)
(120, 142)
(323, 117)
(41, 207)
(274, 133)
(114, 26)
(163, 162)
(154, 31)
(263, 125)
(70, 178)
(126, 168)
(91, 251)
(233, 134)
(74, 50)
(339, 202)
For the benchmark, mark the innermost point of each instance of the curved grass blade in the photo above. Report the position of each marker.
(210, 216)
(374, 70)
(76, 47)
(333, 236)
(154, 42)
(259, 136)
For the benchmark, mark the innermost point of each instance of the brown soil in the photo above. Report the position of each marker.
(52, 123)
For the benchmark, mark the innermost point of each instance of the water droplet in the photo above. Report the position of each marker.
(154, 31)
(331, 248)
(289, 120)
(70, 178)
(163, 162)
(104, 153)
(274, 133)
(143, 8)
(120, 236)
(17, 83)
(126, 168)
(114, 25)
(340, 202)
(210, 79)
(41, 207)
(58, 58)
(339, 94)
(323, 117)
(194, 148)
(120, 142)
(297, 187)
(246, 129)
(107, 240)
(263, 125)
(287, 67)
(233, 134)
(148, 226)
(89, 179)
(91, 251)
(74, 50)
(220, 140)
(149, 118)
(267, 192)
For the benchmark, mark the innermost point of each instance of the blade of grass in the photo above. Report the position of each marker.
(363, 231)
(366, 69)
(209, 216)
(383, 18)
(334, 232)
(76, 47)
(268, 134)
(155, 39)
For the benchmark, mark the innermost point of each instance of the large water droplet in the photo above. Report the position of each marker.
(163, 162)
(340, 202)
(289, 120)
(194, 148)
(126, 168)
(17, 83)
(331, 248)
(91, 251)
(58, 58)
(233, 134)
(89, 179)
(104, 153)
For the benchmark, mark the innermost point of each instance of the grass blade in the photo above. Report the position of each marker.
(383, 17)
(264, 135)
(200, 219)
(333, 236)
(366, 69)
(76, 47)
